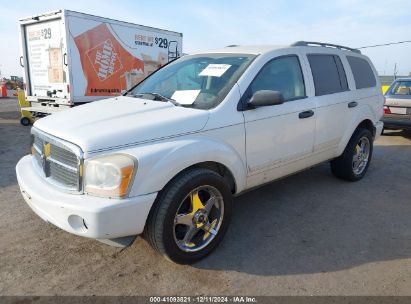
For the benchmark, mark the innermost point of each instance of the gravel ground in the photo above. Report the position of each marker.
(309, 234)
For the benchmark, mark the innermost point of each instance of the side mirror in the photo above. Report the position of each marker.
(265, 98)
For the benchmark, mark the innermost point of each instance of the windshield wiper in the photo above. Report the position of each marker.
(158, 97)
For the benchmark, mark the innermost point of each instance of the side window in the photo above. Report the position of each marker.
(341, 73)
(363, 75)
(282, 74)
(328, 73)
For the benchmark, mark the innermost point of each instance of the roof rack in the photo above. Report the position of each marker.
(335, 46)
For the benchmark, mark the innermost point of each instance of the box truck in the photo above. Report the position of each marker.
(70, 58)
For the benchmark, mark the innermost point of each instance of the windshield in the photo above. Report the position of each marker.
(401, 88)
(198, 81)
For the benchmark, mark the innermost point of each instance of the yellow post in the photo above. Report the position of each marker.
(26, 117)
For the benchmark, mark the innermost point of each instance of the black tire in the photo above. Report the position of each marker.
(159, 230)
(25, 121)
(342, 166)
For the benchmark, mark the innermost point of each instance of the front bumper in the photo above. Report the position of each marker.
(85, 215)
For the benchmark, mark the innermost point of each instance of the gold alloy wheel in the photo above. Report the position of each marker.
(198, 218)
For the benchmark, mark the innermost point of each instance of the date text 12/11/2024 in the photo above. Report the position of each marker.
(203, 299)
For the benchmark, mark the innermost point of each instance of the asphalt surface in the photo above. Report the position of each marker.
(308, 234)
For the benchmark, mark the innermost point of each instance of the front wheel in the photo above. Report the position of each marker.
(355, 160)
(190, 216)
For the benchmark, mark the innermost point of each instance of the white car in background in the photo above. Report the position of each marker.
(167, 158)
(397, 109)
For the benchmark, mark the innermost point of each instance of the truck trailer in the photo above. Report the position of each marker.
(70, 58)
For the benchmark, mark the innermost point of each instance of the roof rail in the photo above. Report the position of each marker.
(336, 46)
(232, 45)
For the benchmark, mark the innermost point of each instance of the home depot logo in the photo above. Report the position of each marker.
(104, 59)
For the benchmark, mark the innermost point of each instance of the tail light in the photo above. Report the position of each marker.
(68, 88)
(387, 110)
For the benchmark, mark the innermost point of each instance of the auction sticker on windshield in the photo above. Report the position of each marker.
(216, 70)
(185, 97)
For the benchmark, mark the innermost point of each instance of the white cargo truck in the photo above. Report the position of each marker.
(70, 58)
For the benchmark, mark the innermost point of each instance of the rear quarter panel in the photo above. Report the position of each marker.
(370, 104)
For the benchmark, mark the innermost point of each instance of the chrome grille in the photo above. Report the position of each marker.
(63, 156)
(64, 176)
(58, 160)
(38, 141)
(37, 157)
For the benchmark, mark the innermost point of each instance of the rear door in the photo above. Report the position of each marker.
(335, 102)
(46, 56)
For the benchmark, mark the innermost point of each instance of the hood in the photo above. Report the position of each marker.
(120, 121)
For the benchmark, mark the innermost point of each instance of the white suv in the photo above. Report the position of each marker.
(167, 158)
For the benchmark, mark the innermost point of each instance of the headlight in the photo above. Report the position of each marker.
(109, 176)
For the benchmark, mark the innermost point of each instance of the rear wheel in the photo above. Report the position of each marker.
(355, 160)
(190, 216)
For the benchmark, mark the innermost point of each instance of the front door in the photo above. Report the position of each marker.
(280, 137)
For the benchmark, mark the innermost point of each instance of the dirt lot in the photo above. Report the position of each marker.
(309, 234)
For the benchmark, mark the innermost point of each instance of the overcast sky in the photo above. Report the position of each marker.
(215, 23)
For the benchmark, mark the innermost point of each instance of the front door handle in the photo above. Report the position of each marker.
(352, 104)
(306, 114)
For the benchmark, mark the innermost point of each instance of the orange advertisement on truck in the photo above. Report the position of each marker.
(70, 58)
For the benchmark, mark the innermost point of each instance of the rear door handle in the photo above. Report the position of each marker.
(306, 114)
(352, 104)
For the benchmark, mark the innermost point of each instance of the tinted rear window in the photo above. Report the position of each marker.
(328, 73)
(363, 74)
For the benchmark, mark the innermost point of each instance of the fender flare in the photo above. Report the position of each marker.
(159, 163)
(364, 113)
